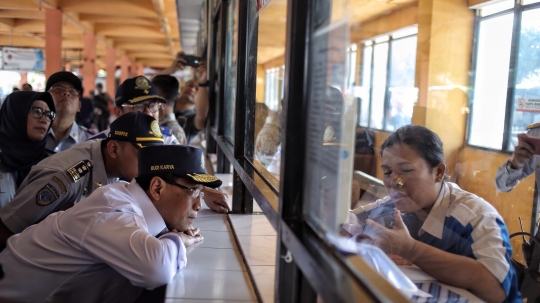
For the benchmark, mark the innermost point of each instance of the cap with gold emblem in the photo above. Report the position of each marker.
(140, 129)
(184, 161)
(136, 90)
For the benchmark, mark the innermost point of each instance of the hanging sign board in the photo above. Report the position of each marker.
(22, 59)
(261, 4)
(528, 105)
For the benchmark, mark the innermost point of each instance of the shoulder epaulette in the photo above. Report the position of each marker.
(533, 125)
(80, 169)
(165, 130)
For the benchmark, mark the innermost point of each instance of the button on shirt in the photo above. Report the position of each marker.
(116, 227)
(51, 176)
(75, 135)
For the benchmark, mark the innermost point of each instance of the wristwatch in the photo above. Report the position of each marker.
(205, 84)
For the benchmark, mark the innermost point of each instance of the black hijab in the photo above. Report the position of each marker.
(17, 152)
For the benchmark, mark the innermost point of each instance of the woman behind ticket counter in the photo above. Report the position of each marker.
(462, 240)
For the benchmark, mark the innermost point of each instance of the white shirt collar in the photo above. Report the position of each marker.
(73, 132)
(434, 223)
(153, 218)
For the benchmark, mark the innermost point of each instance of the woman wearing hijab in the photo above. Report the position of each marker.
(25, 120)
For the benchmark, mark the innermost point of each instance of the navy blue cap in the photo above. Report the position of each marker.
(139, 129)
(64, 77)
(183, 161)
(136, 90)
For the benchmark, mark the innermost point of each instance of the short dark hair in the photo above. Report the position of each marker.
(168, 85)
(421, 139)
(144, 181)
(99, 85)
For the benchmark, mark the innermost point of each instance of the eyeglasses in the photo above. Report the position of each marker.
(152, 106)
(38, 112)
(193, 192)
(62, 89)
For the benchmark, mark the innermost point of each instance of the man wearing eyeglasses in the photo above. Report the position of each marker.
(121, 239)
(139, 95)
(65, 88)
(61, 180)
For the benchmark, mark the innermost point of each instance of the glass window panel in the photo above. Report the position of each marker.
(331, 119)
(496, 7)
(402, 92)
(408, 31)
(365, 88)
(230, 59)
(491, 81)
(382, 39)
(272, 30)
(526, 2)
(380, 60)
(528, 75)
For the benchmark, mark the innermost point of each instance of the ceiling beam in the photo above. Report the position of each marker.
(19, 5)
(10, 23)
(165, 28)
(117, 20)
(72, 18)
(21, 14)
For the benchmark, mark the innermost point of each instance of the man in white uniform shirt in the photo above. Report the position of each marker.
(121, 239)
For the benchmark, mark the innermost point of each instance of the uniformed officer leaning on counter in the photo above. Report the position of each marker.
(61, 180)
(124, 237)
(140, 95)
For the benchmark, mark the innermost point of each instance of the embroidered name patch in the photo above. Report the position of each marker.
(47, 195)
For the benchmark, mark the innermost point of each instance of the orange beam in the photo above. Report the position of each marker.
(53, 41)
(89, 65)
(110, 59)
(124, 66)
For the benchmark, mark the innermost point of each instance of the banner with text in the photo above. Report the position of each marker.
(22, 59)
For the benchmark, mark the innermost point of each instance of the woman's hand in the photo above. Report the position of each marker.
(395, 241)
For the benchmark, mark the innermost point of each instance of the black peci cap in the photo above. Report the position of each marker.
(184, 161)
(64, 77)
(140, 129)
(136, 90)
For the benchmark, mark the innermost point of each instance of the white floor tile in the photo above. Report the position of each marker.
(203, 284)
(216, 239)
(264, 279)
(259, 250)
(216, 259)
(255, 225)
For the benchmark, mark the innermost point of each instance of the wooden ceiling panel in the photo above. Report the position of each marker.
(141, 46)
(118, 20)
(133, 8)
(19, 5)
(20, 41)
(132, 31)
(21, 14)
